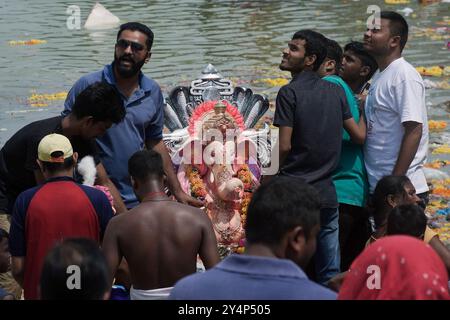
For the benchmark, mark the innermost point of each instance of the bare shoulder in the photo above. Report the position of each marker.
(118, 222)
(192, 213)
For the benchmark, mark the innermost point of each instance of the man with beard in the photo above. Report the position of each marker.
(143, 100)
(311, 113)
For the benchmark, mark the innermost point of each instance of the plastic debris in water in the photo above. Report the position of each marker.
(406, 11)
(26, 42)
(443, 212)
(436, 84)
(434, 175)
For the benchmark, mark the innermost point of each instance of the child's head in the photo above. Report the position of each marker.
(5, 257)
(408, 219)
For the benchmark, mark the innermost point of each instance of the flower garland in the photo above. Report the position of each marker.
(198, 189)
(26, 42)
(245, 176)
(436, 125)
(437, 164)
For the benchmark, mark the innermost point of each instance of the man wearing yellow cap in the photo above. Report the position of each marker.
(95, 110)
(57, 209)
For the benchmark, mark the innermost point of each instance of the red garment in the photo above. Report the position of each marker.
(396, 268)
(58, 210)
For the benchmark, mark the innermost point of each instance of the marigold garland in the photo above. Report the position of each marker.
(437, 164)
(26, 42)
(198, 189)
(434, 125)
(245, 176)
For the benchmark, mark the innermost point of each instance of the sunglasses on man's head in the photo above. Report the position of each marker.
(124, 44)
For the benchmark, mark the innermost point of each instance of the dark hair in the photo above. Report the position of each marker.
(388, 185)
(315, 43)
(278, 206)
(3, 234)
(58, 166)
(357, 48)
(101, 101)
(144, 164)
(94, 272)
(136, 26)
(407, 219)
(334, 52)
(397, 26)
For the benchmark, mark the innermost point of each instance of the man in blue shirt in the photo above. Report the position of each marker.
(281, 230)
(143, 100)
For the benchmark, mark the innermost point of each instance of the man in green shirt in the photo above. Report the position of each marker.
(355, 67)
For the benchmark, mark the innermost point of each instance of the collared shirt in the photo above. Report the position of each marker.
(244, 277)
(315, 109)
(144, 121)
(49, 213)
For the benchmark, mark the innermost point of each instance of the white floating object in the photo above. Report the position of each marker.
(101, 18)
(434, 174)
(406, 11)
(429, 84)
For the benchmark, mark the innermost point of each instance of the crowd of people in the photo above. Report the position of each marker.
(343, 218)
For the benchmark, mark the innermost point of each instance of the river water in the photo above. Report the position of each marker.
(243, 39)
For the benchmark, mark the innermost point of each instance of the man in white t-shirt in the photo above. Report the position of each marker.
(397, 126)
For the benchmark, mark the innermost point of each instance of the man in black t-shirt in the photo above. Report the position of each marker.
(311, 113)
(95, 110)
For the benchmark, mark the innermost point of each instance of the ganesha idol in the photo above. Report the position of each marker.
(216, 151)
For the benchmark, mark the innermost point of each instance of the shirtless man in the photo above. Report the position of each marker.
(160, 238)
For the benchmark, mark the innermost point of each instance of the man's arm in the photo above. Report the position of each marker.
(208, 247)
(17, 238)
(174, 184)
(408, 148)
(285, 146)
(18, 269)
(284, 119)
(110, 247)
(103, 179)
(441, 250)
(357, 131)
